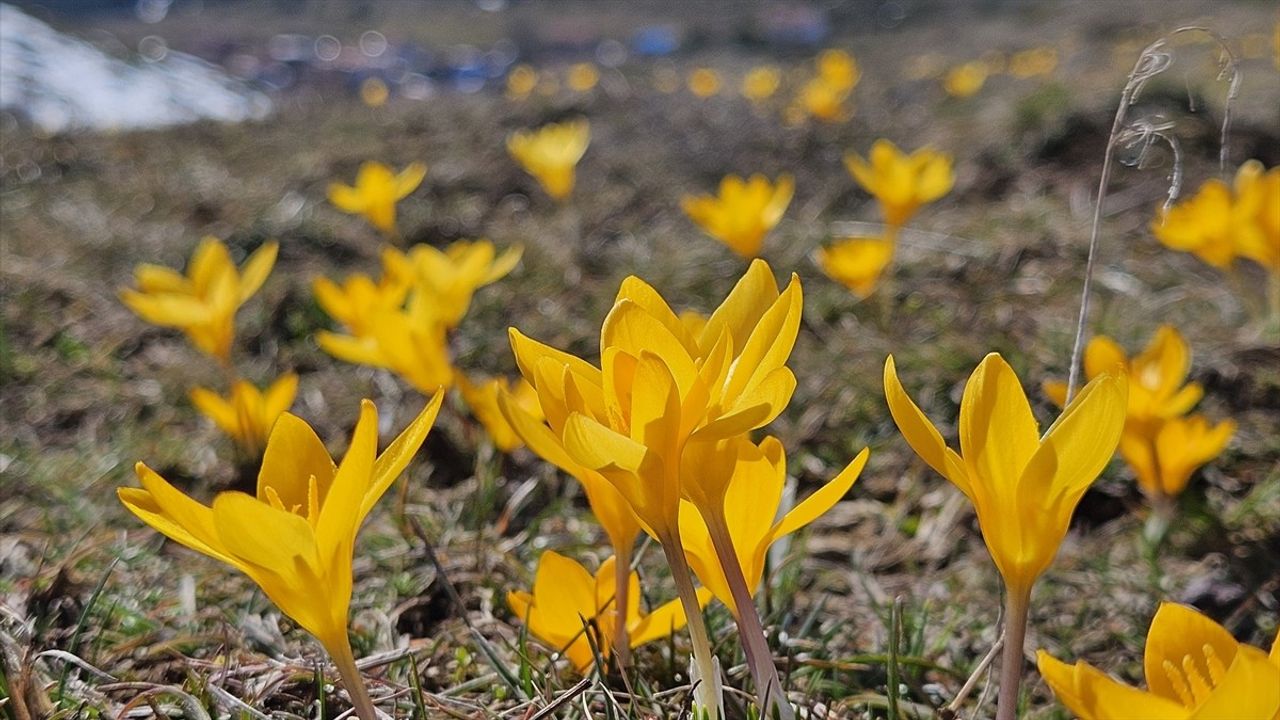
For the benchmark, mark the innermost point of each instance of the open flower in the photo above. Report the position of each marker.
(1024, 486)
(1258, 239)
(451, 276)
(551, 153)
(1195, 670)
(857, 262)
(743, 212)
(838, 69)
(411, 342)
(821, 100)
(902, 183)
(296, 537)
(358, 300)
(1162, 445)
(753, 494)
(377, 190)
(704, 83)
(567, 603)
(247, 414)
(203, 302)
(482, 398)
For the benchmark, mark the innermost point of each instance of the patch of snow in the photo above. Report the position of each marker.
(60, 83)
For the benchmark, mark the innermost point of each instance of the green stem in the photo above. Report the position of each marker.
(1016, 610)
(706, 696)
(345, 659)
(1273, 302)
(621, 593)
(772, 701)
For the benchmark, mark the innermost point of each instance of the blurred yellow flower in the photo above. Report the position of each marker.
(857, 262)
(1033, 62)
(203, 302)
(1195, 670)
(1023, 486)
(704, 82)
(374, 92)
(1203, 225)
(838, 69)
(1257, 190)
(567, 603)
(296, 538)
(411, 342)
(551, 153)
(376, 192)
(482, 397)
(247, 414)
(1165, 459)
(1162, 446)
(824, 101)
(753, 480)
(761, 82)
(902, 183)
(965, 80)
(582, 77)
(521, 81)
(449, 278)
(743, 212)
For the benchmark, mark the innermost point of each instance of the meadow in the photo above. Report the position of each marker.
(884, 606)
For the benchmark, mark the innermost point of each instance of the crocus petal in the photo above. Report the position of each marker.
(338, 524)
(240, 521)
(529, 352)
(293, 456)
(396, 457)
(998, 433)
(1178, 632)
(742, 309)
(770, 342)
(920, 433)
(257, 268)
(346, 198)
(1250, 689)
(817, 504)
(1104, 355)
(169, 310)
(213, 406)
(503, 264)
(174, 515)
(409, 179)
(280, 395)
(664, 620)
(565, 593)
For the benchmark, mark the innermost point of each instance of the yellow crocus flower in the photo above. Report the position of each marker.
(902, 183)
(838, 69)
(1165, 458)
(377, 190)
(1203, 225)
(551, 153)
(412, 343)
(824, 101)
(753, 494)
(567, 603)
(1024, 486)
(521, 81)
(743, 212)
(857, 262)
(247, 414)
(1033, 62)
(374, 92)
(704, 82)
(482, 398)
(582, 77)
(451, 276)
(203, 302)
(1160, 445)
(1258, 238)
(760, 83)
(296, 537)
(359, 300)
(1195, 670)
(965, 80)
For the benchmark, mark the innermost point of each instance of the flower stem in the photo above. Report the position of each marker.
(1273, 302)
(621, 592)
(706, 694)
(772, 701)
(345, 659)
(1016, 609)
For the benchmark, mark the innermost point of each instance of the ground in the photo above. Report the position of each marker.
(100, 615)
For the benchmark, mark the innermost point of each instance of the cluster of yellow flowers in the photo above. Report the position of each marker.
(658, 430)
(524, 80)
(901, 185)
(968, 78)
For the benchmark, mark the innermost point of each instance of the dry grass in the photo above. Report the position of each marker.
(99, 617)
